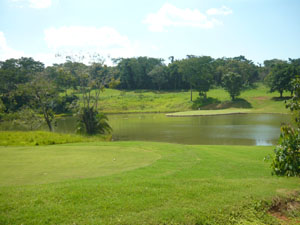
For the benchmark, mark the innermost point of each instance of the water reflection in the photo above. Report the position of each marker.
(242, 129)
(246, 129)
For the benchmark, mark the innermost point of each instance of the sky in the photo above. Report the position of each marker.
(49, 30)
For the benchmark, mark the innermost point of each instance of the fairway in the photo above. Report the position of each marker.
(147, 183)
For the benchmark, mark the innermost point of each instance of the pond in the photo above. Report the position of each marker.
(239, 129)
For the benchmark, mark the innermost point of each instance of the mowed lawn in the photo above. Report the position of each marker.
(138, 183)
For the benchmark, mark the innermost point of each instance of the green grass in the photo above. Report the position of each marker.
(257, 100)
(23, 138)
(147, 183)
(209, 112)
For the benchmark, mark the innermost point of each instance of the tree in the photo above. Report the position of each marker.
(2, 109)
(43, 97)
(286, 161)
(242, 66)
(134, 72)
(280, 77)
(62, 77)
(158, 75)
(233, 84)
(27, 118)
(92, 122)
(14, 72)
(92, 83)
(175, 79)
(196, 71)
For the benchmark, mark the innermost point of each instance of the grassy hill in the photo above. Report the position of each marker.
(139, 183)
(257, 100)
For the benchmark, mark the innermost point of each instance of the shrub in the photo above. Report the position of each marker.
(286, 161)
(90, 122)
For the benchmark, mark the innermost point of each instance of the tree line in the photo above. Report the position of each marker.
(26, 84)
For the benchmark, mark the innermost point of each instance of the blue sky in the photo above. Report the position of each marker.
(257, 29)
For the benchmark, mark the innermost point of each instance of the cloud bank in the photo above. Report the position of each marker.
(6, 52)
(104, 40)
(171, 16)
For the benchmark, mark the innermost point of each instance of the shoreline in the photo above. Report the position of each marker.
(214, 113)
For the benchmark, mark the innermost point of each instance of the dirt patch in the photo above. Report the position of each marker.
(286, 208)
(261, 98)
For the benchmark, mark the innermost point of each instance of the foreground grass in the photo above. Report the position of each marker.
(23, 138)
(137, 183)
(258, 100)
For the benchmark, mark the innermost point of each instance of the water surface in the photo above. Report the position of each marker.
(240, 129)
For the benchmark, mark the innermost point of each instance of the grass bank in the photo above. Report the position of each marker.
(138, 183)
(28, 138)
(257, 100)
(209, 112)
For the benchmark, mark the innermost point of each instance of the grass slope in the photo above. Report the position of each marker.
(149, 183)
(28, 138)
(259, 100)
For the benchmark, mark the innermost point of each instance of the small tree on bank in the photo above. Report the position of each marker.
(233, 84)
(43, 97)
(92, 83)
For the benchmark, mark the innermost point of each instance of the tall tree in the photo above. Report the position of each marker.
(242, 66)
(233, 83)
(158, 75)
(92, 83)
(12, 73)
(43, 97)
(280, 78)
(197, 72)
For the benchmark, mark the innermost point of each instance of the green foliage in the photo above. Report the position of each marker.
(64, 104)
(158, 75)
(196, 71)
(2, 109)
(233, 83)
(134, 72)
(280, 77)
(15, 72)
(31, 138)
(242, 66)
(201, 102)
(286, 161)
(91, 122)
(27, 118)
(43, 97)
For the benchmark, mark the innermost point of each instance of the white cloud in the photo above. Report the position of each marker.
(7, 52)
(104, 40)
(220, 11)
(169, 15)
(36, 4)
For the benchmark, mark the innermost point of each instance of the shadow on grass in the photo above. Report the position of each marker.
(202, 102)
(277, 99)
(216, 104)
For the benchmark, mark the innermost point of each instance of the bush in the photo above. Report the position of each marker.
(90, 122)
(63, 104)
(286, 161)
(201, 102)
